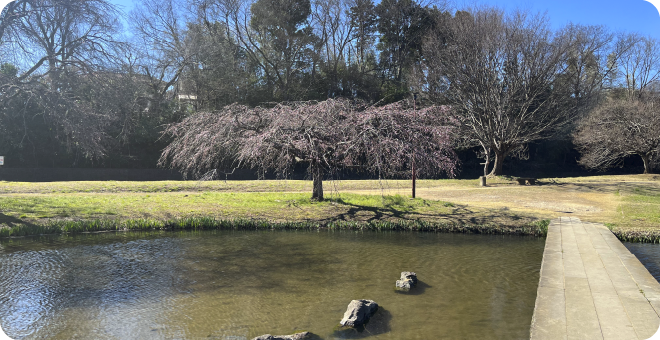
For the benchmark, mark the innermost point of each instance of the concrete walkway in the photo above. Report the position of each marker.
(592, 287)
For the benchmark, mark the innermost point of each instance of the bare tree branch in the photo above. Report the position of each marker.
(328, 136)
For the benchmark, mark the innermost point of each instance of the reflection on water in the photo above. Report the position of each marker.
(240, 284)
(648, 254)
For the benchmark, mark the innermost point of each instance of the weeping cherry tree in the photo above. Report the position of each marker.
(327, 136)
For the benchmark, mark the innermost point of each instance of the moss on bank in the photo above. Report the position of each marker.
(537, 228)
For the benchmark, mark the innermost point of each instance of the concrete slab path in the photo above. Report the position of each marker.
(592, 287)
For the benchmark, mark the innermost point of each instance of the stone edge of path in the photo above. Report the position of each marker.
(592, 287)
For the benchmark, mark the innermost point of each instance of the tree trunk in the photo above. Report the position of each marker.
(647, 164)
(317, 180)
(497, 165)
(487, 162)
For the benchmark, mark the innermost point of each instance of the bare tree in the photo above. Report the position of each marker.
(59, 47)
(639, 66)
(592, 59)
(499, 73)
(50, 36)
(160, 26)
(12, 12)
(617, 129)
(332, 25)
(327, 136)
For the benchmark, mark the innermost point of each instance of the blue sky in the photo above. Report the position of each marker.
(620, 15)
(629, 15)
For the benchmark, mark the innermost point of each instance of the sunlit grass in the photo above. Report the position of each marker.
(234, 186)
(274, 206)
(639, 209)
(626, 203)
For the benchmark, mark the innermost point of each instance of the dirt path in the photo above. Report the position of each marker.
(595, 199)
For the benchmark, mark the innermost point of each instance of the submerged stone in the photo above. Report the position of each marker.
(297, 336)
(407, 282)
(358, 313)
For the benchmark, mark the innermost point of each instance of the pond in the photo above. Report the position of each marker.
(241, 284)
(648, 254)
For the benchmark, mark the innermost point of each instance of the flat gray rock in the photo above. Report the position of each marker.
(358, 313)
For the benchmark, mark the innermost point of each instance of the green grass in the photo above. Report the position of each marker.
(27, 209)
(638, 216)
(629, 205)
(233, 186)
(541, 226)
(208, 223)
(641, 208)
(275, 206)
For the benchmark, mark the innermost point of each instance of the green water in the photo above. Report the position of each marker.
(241, 284)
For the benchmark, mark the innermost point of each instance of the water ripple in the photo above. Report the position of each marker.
(237, 285)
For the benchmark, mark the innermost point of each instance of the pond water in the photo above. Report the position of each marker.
(648, 254)
(241, 284)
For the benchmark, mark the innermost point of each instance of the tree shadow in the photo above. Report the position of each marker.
(379, 323)
(608, 188)
(460, 215)
(419, 289)
(11, 221)
(378, 213)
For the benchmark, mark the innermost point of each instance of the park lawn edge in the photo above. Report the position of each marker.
(635, 235)
(537, 228)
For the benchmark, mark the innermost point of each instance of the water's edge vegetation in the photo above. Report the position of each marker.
(537, 228)
(637, 235)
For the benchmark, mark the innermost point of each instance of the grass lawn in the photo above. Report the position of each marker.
(256, 205)
(628, 203)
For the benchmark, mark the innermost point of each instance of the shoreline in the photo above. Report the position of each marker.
(537, 228)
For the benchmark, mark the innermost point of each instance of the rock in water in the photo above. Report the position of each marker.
(297, 336)
(358, 313)
(408, 281)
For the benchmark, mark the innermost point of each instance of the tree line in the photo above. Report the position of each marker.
(82, 84)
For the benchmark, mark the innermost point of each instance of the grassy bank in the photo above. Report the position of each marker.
(538, 228)
(637, 216)
(629, 205)
(38, 213)
(273, 206)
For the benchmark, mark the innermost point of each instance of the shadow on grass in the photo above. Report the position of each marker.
(460, 215)
(650, 189)
(10, 220)
(12, 226)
